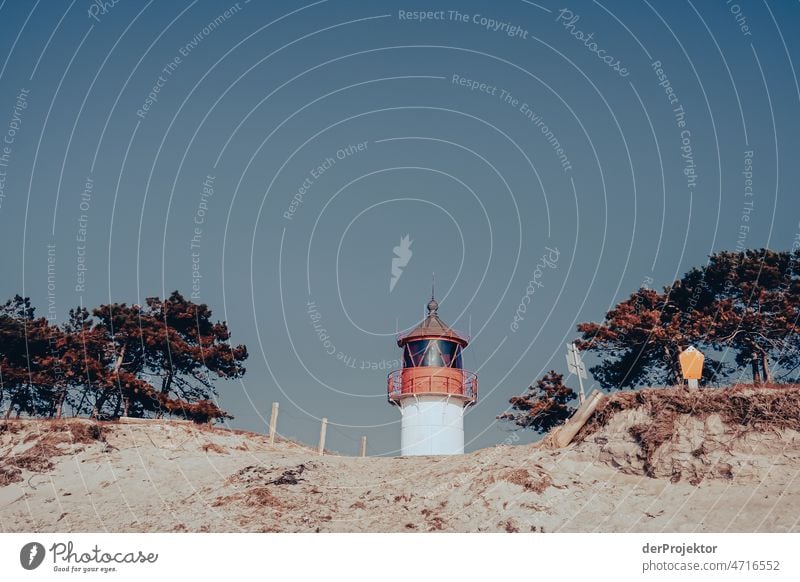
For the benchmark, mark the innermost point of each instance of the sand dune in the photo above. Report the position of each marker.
(78, 476)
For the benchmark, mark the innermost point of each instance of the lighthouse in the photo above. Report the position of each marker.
(432, 390)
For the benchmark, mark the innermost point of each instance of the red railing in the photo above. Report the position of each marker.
(465, 384)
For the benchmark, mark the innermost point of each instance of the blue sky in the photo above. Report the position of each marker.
(269, 156)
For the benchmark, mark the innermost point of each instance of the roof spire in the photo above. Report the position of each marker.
(433, 305)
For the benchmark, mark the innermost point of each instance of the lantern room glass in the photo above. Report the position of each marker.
(433, 353)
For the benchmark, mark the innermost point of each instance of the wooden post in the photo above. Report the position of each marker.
(273, 423)
(323, 429)
(363, 446)
(567, 431)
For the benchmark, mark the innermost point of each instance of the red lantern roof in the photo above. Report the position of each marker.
(432, 327)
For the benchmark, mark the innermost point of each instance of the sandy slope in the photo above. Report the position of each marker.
(175, 476)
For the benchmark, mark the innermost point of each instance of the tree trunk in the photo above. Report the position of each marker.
(83, 399)
(99, 403)
(166, 384)
(756, 373)
(27, 398)
(98, 407)
(60, 404)
(765, 368)
(120, 357)
(117, 406)
(20, 404)
(12, 402)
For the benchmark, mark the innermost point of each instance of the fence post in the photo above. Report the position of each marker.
(273, 423)
(323, 429)
(363, 446)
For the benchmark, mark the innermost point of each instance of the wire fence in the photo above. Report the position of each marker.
(357, 440)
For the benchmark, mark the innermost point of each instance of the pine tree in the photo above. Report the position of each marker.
(17, 323)
(542, 406)
(746, 303)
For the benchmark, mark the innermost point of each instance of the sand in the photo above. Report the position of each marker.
(170, 476)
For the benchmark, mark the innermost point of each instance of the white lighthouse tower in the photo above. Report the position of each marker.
(432, 390)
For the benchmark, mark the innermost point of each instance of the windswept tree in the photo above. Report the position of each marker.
(45, 352)
(76, 364)
(757, 308)
(116, 360)
(24, 344)
(542, 406)
(165, 356)
(16, 382)
(640, 340)
(186, 348)
(745, 303)
(121, 328)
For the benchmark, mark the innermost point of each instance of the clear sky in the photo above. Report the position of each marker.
(268, 157)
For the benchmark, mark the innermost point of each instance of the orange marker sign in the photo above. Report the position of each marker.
(691, 360)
